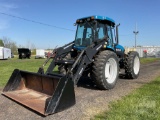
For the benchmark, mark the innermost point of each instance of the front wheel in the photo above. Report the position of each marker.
(132, 65)
(105, 70)
(64, 68)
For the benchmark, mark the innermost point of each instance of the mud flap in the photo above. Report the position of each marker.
(45, 94)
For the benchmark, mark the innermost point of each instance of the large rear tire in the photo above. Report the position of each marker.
(105, 70)
(132, 65)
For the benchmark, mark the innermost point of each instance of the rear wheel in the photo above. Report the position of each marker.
(105, 70)
(132, 65)
(20, 56)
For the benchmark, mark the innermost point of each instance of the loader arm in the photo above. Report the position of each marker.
(60, 52)
(85, 58)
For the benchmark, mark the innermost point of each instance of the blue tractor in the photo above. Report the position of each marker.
(95, 53)
(101, 34)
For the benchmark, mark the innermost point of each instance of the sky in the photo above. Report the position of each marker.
(64, 13)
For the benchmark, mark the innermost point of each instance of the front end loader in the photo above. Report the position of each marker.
(95, 52)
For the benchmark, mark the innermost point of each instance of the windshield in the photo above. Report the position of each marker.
(87, 32)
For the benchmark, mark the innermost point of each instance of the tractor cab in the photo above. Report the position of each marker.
(91, 29)
(95, 28)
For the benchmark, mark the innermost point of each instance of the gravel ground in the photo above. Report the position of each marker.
(89, 100)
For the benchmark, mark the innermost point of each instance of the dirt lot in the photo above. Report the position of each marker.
(90, 100)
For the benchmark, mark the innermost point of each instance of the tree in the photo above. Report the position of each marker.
(10, 44)
(32, 46)
(1, 43)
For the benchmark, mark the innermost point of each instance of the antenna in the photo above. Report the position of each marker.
(136, 32)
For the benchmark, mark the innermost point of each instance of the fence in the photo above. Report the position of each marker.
(146, 51)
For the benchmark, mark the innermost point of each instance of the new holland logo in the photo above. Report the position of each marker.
(118, 49)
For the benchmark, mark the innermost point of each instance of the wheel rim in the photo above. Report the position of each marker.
(136, 65)
(111, 70)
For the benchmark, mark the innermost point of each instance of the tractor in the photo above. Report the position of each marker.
(95, 53)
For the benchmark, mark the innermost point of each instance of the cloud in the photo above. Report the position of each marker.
(7, 7)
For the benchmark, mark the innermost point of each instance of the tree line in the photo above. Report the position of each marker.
(8, 43)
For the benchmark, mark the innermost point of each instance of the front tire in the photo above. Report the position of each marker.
(132, 65)
(105, 70)
(63, 68)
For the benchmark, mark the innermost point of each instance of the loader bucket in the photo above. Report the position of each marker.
(45, 94)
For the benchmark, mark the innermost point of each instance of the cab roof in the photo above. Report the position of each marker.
(97, 17)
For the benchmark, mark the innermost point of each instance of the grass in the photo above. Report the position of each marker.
(142, 104)
(7, 67)
(148, 60)
(32, 65)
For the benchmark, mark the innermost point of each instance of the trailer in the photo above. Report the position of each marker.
(40, 53)
(5, 53)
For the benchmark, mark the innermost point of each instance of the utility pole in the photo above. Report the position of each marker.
(136, 32)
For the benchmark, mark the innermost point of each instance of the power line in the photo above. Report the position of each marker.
(29, 20)
(35, 21)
